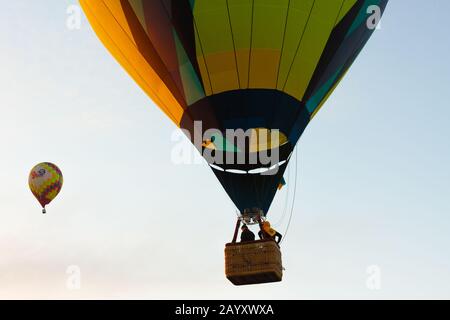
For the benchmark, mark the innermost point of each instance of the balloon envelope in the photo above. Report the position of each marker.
(237, 64)
(45, 182)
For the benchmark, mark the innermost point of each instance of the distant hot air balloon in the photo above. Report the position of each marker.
(260, 65)
(45, 181)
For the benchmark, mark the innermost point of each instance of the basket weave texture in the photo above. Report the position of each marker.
(253, 262)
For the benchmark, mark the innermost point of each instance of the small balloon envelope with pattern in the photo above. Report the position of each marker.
(45, 182)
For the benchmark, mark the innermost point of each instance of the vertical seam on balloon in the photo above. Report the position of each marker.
(180, 90)
(112, 41)
(176, 53)
(345, 68)
(197, 31)
(234, 45)
(168, 16)
(281, 56)
(299, 44)
(282, 45)
(330, 39)
(251, 44)
(332, 47)
(339, 13)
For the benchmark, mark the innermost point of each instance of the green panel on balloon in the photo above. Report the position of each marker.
(192, 88)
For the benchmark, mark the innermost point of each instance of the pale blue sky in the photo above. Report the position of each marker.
(374, 177)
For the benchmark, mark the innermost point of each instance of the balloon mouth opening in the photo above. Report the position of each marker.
(252, 216)
(272, 170)
(250, 162)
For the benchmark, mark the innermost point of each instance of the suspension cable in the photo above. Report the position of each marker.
(293, 200)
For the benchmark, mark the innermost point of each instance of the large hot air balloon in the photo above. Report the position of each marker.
(45, 182)
(260, 66)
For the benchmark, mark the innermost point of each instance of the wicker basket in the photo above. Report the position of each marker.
(253, 262)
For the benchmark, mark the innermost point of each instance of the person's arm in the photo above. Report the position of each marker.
(262, 233)
(279, 237)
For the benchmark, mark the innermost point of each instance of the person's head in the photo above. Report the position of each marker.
(244, 227)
